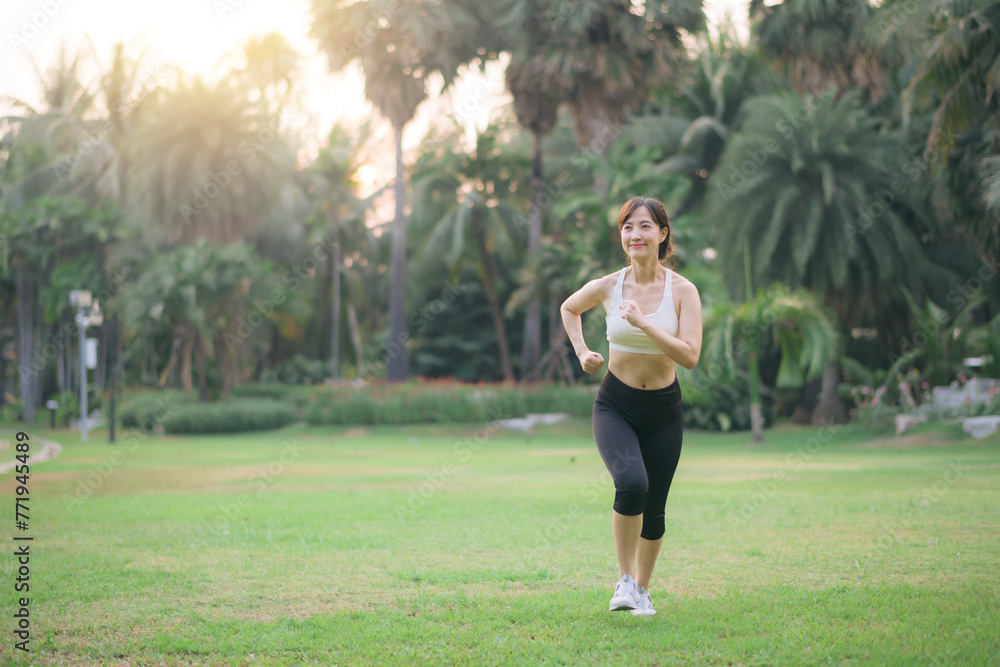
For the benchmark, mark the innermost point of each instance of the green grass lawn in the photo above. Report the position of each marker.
(466, 545)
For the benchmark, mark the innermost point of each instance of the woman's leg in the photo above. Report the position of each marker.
(645, 560)
(661, 450)
(626, 530)
(619, 447)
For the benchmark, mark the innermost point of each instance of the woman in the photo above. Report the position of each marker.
(653, 322)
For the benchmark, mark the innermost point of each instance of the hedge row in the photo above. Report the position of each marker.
(232, 416)
(147, 409)
(437, 401)
(178, 412)
(296, 395)
(707, 405)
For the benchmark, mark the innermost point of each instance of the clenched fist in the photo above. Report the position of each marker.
(590, 361)
(630, 311)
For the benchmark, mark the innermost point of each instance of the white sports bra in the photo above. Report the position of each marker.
(627, 338)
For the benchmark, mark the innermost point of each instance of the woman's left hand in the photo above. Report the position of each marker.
(630, 311)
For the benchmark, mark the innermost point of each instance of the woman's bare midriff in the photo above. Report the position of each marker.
(642, 371)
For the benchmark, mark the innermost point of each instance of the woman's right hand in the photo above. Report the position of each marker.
(590, 361)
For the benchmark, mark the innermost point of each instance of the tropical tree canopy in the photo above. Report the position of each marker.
(811, 183)
(209, 164)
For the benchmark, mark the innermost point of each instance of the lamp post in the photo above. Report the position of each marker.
(88, 313)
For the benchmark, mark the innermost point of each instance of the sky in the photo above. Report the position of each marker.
(203, 36)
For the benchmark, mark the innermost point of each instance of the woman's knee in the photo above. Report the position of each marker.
(630, 497)
(653, 527)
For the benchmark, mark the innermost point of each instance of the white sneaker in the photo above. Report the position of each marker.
(645, 605)
(626, 594)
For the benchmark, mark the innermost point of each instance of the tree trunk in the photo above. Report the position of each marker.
(335, 297)
(352, 322)
(229, 365)
(598, 124)
(102, 355)
(165, 375)
(556, 358)
(151, 348)
(489, 283)
(72, 366)
(830, 410)
(756, 418)
(398, 362)
(202, 365)
(39, 377)
(61, 365)
(186, 362)
(757, 424)
(558, 336)
(114, 350)
(29, 363)
(532, 343)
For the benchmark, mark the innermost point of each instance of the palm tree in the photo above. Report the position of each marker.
(209, 164)
(952, 48)
(459, 196)
(167, 292)
(399, 43)
(331, 185)
(80, 272)
(692, 128)
(946, 340)
(991, 179)
(821, 43)
(537, 97)
(799, 204)
(205, 296)
(796, 321)
(563, 265)
(271, 68)
(36, 204)
(126, 88)
(40, 138)
(606, 58)
(47, 243)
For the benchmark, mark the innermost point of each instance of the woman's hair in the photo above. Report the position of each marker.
(659, 214)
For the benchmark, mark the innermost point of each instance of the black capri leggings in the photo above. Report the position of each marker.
(638, 433)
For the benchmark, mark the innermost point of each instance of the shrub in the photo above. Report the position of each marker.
(232, 416)
(146, 409)
(708, 405)
(873, 410)
(298, 370)
(295, 395)
(875, 407)
(442, 401)
(718, 404)
(11, 409)
(68, 410)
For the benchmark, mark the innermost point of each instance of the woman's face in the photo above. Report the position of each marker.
(641, 236)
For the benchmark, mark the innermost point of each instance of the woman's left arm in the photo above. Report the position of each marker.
(685, 347)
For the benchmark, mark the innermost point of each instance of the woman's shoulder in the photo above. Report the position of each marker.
(605, 285)
(681, 283)
(613, 276)
(610, 280)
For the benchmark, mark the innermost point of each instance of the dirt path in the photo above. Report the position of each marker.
(49, 450)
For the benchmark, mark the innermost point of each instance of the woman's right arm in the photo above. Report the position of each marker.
(585, 298)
